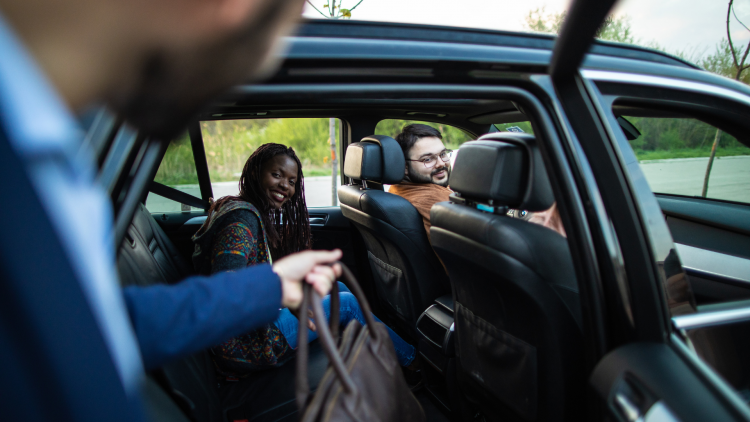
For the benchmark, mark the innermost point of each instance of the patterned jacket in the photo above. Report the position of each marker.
(235, 238)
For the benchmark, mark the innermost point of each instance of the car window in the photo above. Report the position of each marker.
(229, 143)
(523, 127)
(675, 156)
(177, 170)
(453, 137)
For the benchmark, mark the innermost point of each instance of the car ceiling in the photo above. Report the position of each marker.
(474, 116)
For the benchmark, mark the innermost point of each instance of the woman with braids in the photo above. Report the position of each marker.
(267, 220)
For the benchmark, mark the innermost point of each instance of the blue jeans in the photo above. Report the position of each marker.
(289, 325)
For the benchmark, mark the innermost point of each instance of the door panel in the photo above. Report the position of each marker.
(713, 240)
(650, 377)
(180, 228)
(331, 230)
(652, 381)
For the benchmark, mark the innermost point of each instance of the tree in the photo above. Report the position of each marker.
(538, 20)
(727, 60)
(335, 11)
(719, 63)
(612, 29)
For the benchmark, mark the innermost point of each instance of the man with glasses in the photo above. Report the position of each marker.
(427, 170)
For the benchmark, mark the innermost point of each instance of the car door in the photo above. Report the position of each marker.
(646, 365)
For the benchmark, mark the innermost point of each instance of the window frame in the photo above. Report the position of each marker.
(717, 106)
(201, 160)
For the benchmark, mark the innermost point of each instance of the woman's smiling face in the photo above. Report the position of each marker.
(279, 179)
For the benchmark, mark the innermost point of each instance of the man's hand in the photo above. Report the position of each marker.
(309, 266)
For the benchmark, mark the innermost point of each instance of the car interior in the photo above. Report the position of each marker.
(383, 240)
(510, 285)
(496, 305)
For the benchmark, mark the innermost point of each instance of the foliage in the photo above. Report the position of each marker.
(617, 29)
(720, 62)
(178, 165)
(612, 29)
(335, 11)
(538, 20)
(680, 138)
(452, 136)
(229, 143)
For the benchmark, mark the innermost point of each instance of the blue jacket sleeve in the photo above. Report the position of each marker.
(172, 321)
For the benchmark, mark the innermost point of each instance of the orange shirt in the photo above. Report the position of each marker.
(423, 196)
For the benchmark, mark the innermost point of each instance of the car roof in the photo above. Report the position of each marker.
(390, 35)
(335, 52)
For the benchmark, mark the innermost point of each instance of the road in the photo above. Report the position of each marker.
(730, 179)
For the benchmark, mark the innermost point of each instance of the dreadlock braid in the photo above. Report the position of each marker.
(287, 229)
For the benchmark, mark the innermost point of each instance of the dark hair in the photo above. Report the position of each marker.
(412, 133)
(287, 229)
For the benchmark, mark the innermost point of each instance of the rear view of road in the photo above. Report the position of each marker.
(730, 177)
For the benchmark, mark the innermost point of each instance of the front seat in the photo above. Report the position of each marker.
(407, 275)
(517, 308)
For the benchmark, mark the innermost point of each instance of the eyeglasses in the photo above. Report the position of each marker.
(430, 160)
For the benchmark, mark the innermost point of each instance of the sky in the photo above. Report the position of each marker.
(691, 26)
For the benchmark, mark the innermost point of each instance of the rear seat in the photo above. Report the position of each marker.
(148, 257)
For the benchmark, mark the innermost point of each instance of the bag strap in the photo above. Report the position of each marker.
(302, 384)
(327, 336)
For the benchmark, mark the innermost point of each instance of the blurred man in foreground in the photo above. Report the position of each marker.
(155, 62)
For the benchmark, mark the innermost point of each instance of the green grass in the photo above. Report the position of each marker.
(689, 153)
(317, 172)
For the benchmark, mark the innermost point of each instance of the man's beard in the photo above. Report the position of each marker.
(415, 177)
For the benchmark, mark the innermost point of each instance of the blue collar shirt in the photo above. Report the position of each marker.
(47, 138)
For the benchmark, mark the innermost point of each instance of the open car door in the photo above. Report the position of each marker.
(643, 362)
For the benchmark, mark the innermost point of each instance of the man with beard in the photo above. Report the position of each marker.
(427, 171)
(155, 63)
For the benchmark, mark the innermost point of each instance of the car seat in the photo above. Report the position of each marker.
(407, 275)
(517, 309)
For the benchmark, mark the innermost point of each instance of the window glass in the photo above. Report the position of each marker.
(452, 137)
(674, 154)
(229, 143)
(177, 170)
(524, 127)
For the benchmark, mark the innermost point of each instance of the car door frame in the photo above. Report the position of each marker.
(644, 241)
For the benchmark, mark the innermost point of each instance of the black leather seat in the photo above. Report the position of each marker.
(517, 308)
(148, 257)
(408, 276)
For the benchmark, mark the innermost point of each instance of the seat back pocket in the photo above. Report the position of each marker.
(391, 285)
(500, 365)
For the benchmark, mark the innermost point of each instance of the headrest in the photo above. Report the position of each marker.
(376, 158)
(504, 167)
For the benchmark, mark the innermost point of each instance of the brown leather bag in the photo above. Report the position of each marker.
(364, 381)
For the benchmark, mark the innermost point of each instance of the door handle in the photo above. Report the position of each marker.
(634, 403)
(317, 221)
